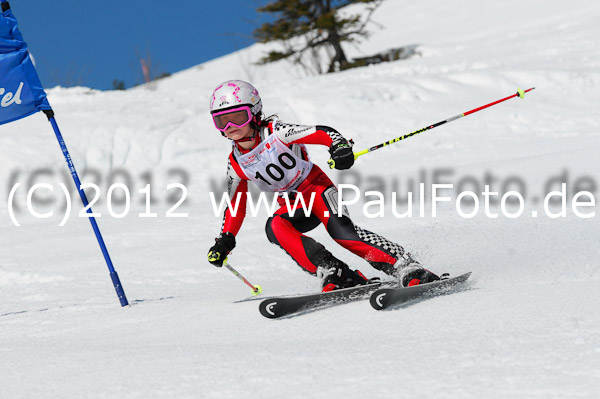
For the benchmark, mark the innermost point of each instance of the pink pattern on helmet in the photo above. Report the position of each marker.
(212, 104)
(237, 88)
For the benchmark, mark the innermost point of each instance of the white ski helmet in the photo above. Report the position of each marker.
(235, 93)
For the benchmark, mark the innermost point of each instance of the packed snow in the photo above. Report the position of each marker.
(527, 327)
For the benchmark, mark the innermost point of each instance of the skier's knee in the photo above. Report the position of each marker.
(342, 228)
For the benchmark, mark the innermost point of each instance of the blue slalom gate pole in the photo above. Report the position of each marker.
(23, 95)
(113, 274)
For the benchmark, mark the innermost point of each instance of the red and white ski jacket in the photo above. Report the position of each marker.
(277, 162)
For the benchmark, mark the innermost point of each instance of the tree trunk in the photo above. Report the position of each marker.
(339, 56)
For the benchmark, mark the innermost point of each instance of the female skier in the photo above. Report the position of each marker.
(273, 155)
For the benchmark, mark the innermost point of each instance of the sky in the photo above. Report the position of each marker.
(77, 42)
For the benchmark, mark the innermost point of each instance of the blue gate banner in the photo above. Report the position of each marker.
(21, 92)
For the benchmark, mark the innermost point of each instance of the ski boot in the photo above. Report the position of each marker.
(415, 274)
(338, 275)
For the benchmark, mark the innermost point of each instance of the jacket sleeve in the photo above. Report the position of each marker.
(237, 189)
(301, 134)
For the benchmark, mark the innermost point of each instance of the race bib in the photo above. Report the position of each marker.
(272, 166)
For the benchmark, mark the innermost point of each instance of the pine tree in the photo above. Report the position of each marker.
(307, 26)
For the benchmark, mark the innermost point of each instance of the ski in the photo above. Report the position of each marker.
(386, 297)
(275, 307)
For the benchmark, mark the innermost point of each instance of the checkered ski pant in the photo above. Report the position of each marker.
(287, 231)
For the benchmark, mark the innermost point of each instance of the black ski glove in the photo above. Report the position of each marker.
(224, 244)
(342, 156)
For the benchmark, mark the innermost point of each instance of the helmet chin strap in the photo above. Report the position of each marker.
(246, 138)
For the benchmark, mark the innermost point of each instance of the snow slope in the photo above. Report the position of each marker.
(529, 327)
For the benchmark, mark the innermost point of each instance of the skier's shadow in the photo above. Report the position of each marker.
(70, 306)
(256, 298)
(141, 301)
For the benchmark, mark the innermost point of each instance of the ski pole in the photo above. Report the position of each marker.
(256, 289)
(520, 93)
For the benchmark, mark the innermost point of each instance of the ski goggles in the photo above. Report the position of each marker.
(236, 117)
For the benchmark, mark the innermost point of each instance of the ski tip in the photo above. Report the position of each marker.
(379, 299)
(267, 308)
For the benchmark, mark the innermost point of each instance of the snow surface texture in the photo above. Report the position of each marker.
(528, 328)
